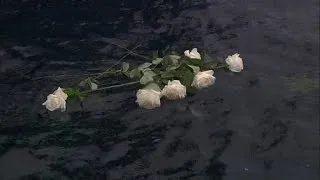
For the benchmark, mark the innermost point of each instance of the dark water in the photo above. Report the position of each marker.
(248, 126)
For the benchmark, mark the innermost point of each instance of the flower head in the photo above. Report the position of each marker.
(235, 63)
(56, 100)
(193, 54)
(60, 92)
(203, 79)
(148, 98)
(174, 90)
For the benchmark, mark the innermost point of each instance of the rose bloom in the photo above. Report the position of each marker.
(193, 54)
(203, 79)
(60, 92)
(174, 90)
(235, 63)
(56, 100)
(148, 98)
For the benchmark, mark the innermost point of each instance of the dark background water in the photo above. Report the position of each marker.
(248, 126)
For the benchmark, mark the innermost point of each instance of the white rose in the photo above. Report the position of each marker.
(235, 63)
(174, 90)
(148, 98)
(55, 102)
(193, 54)
(203, 79)
(60, 92)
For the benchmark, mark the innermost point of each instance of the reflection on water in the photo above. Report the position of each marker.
(248, 126)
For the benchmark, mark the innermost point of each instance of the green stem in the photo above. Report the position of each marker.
(114, 72)
(111, 87)
(144, 57)
(222, 66)
(99, 75)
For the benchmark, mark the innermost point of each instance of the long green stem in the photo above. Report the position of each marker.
(123, 57)
(144, 57)
(97, 74)
(222, 66)
(111, 87)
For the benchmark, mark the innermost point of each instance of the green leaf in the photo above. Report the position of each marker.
(126, 74)
(195, 69)
(153, 86)
(170, 60)
(146, 79)
(157, 61)
(149, 72)
(195, 62)
(144, 65)
(125, 66)
(89, 82)
(175, 53)
(135, 73)
(175, 57)
(93, 86)
(172, 68)
(72, 93)
(187, 80)
(168, 74)
(186, 77)
(94, 80)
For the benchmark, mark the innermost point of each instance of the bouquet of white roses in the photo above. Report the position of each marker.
(172, 77)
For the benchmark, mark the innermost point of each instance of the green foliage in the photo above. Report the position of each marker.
(135, 74)
(89, 83)
(125, 67)
(155, 74)
(157, 61)
(195, 69)
(170, 60)
(74, 94)
(152, 85)
(186, 76)
(144, 66)
(146, 79)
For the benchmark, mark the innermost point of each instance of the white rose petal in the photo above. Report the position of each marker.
(148, 98)
(235, 63)
(203, 79)
(174, 90)
(55, 102)
(60, 92)
(193, 54)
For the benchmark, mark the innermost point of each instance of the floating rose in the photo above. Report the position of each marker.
(174, 90)
(57, 100)
(234, 63)
(59, 92)
(176, 75)
(203, 79)
(193, 54)
(148, 98)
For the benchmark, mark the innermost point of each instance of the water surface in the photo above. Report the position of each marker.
(250, 125)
